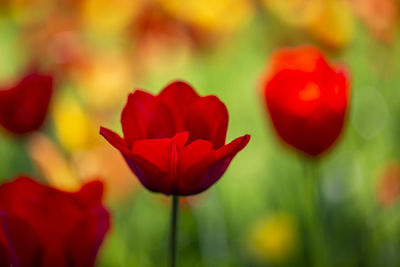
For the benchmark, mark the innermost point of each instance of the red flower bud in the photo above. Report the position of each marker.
(23, 107)
(307, 98)
(175, 142)
(42, 226)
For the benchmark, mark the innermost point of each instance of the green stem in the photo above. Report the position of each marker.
(173, 231)
(318, 253)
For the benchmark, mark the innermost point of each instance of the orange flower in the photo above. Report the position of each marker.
(380, 16)
(389, 184)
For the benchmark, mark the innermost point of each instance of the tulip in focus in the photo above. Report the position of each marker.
(307, 99)
(42, 226)
(175, 142)
(23, 107)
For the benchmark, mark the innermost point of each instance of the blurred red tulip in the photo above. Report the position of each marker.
(307, 98)
(43, 226)
(175, 142)
(23, 107)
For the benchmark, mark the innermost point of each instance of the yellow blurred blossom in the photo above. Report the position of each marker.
(274, 238)
(22, 10)
(108, 165)
(296, 12)
(100, 163)
(211, 15)
(72, 124)
(52, 163)
(108, 16)
(334, 27)
(105, 80)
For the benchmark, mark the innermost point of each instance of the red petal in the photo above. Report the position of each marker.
(23, 108)
(20, 243)
(231, 149)
(82, 252)
(178, 97)
(155, 162)
(300, 58)
(202, 166)
(53, 214)
(144, 117)
(91, 194)
(155, 151)
(208, 120)
(196, 158)
(115, 140)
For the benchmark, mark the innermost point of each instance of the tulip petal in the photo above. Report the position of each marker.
(154, 157)
(83, 252)
(202, 166)
(178, 97)
(55, 220)
(224, 158)
(91, 194)
(23, 108)
(231, 149)
(145, 117)
(155, 151)
(148, 173)
(196, 158)
(19, 245)
(115, 140)
(4, 260)
(207, 119)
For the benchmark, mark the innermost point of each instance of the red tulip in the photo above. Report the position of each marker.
(175, 142)
(23, 107)
(307, 99)
(42, 226)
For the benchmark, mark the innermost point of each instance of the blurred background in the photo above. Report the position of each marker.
(98, 51)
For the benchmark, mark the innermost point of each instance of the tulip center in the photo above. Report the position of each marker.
(310, 92)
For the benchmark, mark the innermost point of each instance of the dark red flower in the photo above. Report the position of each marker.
(307, 98)
(23, 107)
(175, 142)
(42, 226)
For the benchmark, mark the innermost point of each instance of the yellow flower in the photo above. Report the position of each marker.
(104, 80)
(274, 239)
(211, 15)
(52, 164)
(22, 10)
(108, 16)
(99, 163)
(72, 124)
(335, 25)
(296, 12)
